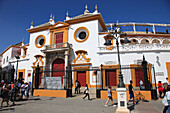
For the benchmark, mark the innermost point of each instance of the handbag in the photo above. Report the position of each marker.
(165, 101)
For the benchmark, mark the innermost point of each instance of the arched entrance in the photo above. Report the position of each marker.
(58, 68)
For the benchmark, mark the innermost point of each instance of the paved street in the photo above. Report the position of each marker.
(76, 105)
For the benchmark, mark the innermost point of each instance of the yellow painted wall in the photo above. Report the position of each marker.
(168, 70)
(50, 93)
(145, 95)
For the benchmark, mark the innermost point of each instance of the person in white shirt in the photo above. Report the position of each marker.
(86, 91)
(22, 90)
(141, 84)
(27, 90)
(168, 99)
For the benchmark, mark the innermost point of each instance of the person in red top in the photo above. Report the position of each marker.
(12, 85)
(160, 89)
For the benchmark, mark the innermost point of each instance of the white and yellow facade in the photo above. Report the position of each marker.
(81, 47)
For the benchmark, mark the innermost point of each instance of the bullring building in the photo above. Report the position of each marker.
(75, 49)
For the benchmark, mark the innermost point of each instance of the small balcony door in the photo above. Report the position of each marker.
(58, 38)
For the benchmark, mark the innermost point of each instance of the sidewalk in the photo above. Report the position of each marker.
(74, 105)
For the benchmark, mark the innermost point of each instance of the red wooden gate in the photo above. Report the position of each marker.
(81, 77)
(139, 75)
(58, 68)
(111, 79)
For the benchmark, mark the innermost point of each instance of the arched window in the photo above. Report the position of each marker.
(133, 42)
(145, 41)
(156, 41)
(166, 41)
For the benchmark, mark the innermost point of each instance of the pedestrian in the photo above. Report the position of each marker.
(164, 88)
(2, 82)
(1, 90)
(160, 89)
(5, 96)
(19, 87)
(13, 94)
(167, 94)
(22, 90)
(12, 85)
(27, 90)
(141, 84)
(167, 81)
(131, 92)
(109, 95)
(86, 91)
(76, 87)
(79, 86)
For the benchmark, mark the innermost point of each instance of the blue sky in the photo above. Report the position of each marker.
(16, 15)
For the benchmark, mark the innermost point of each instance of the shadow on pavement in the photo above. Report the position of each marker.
(35, 99)
(18, 104)
(92, 98)
(145, 100)
(51, 98)
(7, 109)
(131, 107)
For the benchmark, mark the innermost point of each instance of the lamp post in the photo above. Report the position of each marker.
(17, 57)
(116, 35)
(121, 90)
(13, 92)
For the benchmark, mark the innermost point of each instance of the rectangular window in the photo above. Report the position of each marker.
(59, 38)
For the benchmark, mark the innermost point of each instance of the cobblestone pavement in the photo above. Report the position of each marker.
(76, 105)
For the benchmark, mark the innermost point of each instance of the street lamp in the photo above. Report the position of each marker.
(121, 90)
(15, 85)
(116, 35)
(17, 57)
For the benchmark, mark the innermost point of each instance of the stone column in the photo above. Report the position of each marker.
(66, 65)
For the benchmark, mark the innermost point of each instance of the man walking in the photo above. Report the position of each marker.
(131, 92)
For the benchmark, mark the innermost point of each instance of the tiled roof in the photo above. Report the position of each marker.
(82, 16)
(42, 25)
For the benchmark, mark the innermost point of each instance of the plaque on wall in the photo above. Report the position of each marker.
(53, 83)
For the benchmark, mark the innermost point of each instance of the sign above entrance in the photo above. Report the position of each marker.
(110, 62)
(159, 73)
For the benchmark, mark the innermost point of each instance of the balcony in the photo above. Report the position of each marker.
(57, 47)
(135, 48)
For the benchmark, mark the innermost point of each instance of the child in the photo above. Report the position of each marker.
(109, 95)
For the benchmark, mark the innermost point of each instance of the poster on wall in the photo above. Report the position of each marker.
(95, 77)
(29, 78)
(53, 83)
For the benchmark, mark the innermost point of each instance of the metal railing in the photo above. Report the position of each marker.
(58, 46)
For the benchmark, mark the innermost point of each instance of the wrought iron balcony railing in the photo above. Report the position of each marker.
(57, 46)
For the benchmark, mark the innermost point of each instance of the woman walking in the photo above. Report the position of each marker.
(109, 95)
(5, 96)
(86, 91)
